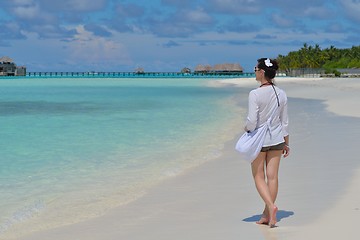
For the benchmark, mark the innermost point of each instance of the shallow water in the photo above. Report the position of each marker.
(74, 148)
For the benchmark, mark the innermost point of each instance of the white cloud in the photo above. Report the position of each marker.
(183, 23)
(281, 21)
(334, 27)
(91, 49)
(317, 12)
(74, 5)
(234, 6)
(197, 16)
(352, 8)
(23, 2)
(27, 11)
(85, 5)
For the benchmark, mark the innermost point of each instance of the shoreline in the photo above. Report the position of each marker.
(93, 196)
(327, 87)
(217, 200)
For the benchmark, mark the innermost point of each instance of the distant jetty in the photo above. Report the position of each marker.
(9, 68)
(227, 70)
(140, 74)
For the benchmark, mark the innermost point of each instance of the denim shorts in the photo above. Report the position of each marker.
(274, 147)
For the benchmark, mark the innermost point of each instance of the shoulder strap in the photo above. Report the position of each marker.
(278, 102)
(277, 97)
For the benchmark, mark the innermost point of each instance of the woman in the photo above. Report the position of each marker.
(264, 102)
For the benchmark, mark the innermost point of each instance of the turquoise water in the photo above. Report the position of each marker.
(74, 148)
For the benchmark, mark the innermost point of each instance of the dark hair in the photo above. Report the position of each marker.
(269, 66)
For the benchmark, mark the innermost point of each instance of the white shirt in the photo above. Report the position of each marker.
(262, 104)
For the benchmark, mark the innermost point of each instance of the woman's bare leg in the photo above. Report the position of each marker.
(272, 170)
(259, 177)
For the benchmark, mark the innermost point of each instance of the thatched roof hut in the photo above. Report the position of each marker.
(228, 67)
(6, 59)
(223, 67)
(9, 68)
(203, 68)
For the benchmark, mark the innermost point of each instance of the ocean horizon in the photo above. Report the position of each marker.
(73, 148)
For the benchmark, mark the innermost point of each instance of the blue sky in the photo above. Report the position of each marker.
(167, 35)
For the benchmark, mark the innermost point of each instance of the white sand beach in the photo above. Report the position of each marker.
(318, 195)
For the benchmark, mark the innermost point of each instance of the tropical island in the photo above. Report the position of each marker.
(332, 60)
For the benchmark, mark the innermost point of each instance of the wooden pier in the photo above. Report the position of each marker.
(139, 75)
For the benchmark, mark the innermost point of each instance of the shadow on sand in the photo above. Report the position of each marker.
(280, 215)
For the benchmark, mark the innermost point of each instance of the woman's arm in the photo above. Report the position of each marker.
(286, 150)
(253, 109)
(285, 124)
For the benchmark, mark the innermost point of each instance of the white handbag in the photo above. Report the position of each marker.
(250, 143)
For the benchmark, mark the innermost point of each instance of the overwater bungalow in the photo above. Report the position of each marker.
(186, 70)
(202, 68)
(139, 70)
(9, 68)
(224, 68)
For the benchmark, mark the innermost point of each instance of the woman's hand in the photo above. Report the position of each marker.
(286, 150)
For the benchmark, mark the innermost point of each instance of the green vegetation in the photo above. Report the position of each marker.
(329, 59)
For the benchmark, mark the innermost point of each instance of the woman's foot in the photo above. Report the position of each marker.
(263, 220)
(273, 219)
